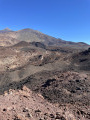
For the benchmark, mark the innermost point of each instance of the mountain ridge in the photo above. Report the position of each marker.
(60, 74)
(30, 35)
(6, 30)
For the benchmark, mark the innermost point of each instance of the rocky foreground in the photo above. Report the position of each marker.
(27, 105)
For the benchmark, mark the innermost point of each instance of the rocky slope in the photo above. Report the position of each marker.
(27, 105)
(57, 78)
(81, 60)
(9, 37)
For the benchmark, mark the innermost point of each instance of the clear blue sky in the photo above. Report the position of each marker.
(66, 19)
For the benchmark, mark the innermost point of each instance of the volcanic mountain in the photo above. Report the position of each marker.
(9, 37)
(42, 77)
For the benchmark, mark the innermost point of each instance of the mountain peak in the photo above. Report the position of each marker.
(6, 30)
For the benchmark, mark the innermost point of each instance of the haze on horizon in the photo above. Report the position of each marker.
(68, 20)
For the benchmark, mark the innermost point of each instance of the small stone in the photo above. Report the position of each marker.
(51, 116)
(37, 110)
(28, 115)
(25, 110)
(4, 109)
(58, 116)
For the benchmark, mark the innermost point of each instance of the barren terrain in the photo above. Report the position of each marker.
(43, 79)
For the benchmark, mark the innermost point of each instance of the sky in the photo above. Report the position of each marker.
(65, 19)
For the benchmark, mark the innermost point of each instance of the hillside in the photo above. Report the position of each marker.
(43, 77)
(81, 60)
(9, 37)
(51, 79)
(27, 105)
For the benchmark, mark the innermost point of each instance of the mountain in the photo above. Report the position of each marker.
(7, 38)
(5, 30)
(29, 35)
(43, 78)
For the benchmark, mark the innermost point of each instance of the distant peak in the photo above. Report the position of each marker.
(6, 30)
